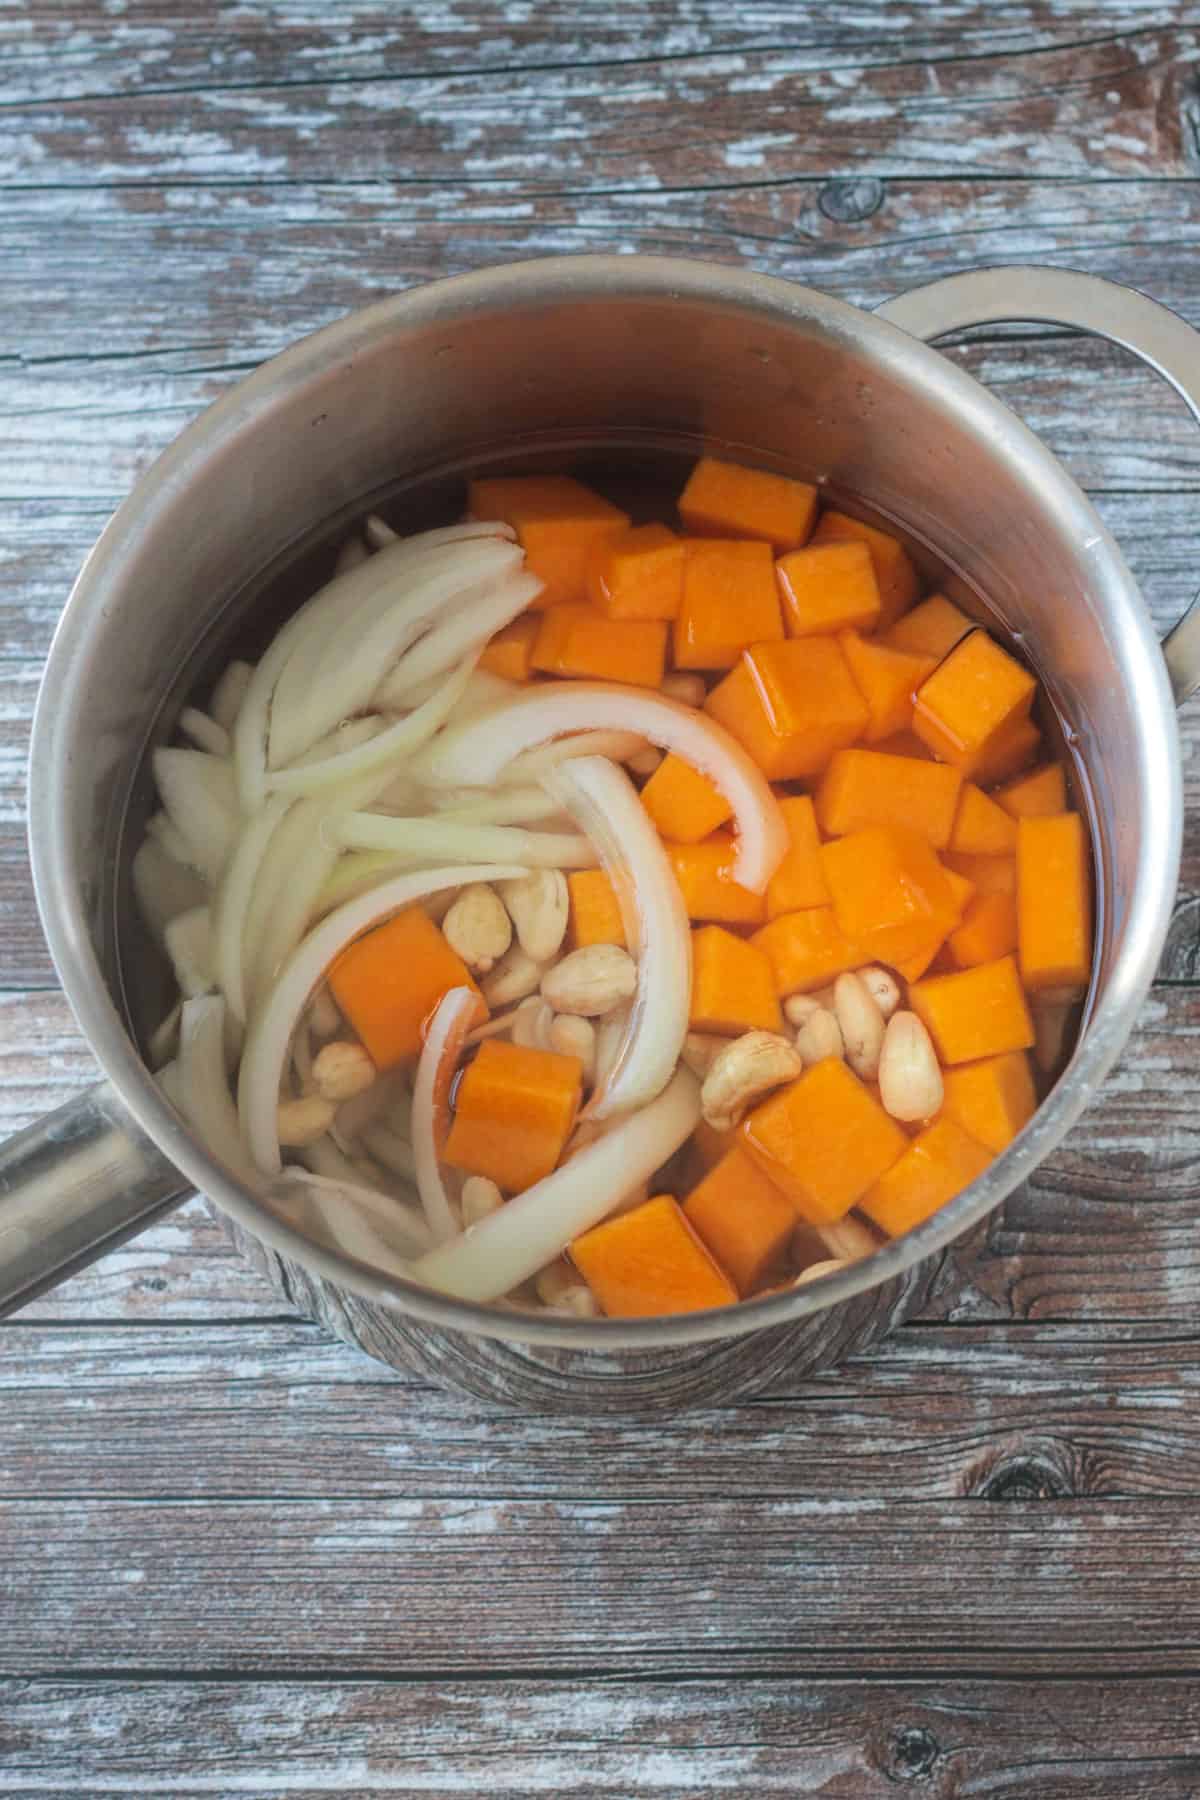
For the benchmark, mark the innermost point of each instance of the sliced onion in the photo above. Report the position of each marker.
(357, 873)
(351, 553)
(174, 844)
(203, 1086)
(349, 1218)
(533, 1228)
(163, 887)
(225, 702)
(431, 1095)
(478, 751)
(204, 731)
(198, 793)
(188, 943)
(271, 1028)
(504, 806)
(475, 618)
(232, 904)
(605, 804)
(346, 736)
(380, 750)
(445, 838)
(379, 533)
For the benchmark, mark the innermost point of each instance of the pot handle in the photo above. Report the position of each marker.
(1034, 294)
(73, 1185)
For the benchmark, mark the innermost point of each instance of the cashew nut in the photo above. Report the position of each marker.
(573, 1036)
(861, 1024)
(910, 1077)
(798, 1009)
(531, 1023)
(883, 988)
(477, 927)
(700, 1049)
(644, 762)
(819, 1037)
(538, 906)
(480, 1198)
(513, 977)
(816, 1270)
(747, 1068)
(302, 1122)
(324, 1019)
(342, 1069)
(591, 981)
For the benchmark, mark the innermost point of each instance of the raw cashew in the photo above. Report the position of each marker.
(798, 1009)
(816, 1270)
(573, 1036)
(591, 981)
(480, 1197)
(910, 1077)
(883, 988)
(341, 1069)
(531, 1023)
(537, 904)
(477, 927)
(700, 1049)
(861, 1024)
(644, 762)
(302, 1122)
(513, 977)
(747, 1068)
(324, 1019)
(819, 1037)
(559, 1286)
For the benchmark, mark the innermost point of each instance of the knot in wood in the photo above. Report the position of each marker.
(851, 201)
(1052, 1473)
(912, 1754)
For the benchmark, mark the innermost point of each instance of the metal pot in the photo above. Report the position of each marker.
(556, 356)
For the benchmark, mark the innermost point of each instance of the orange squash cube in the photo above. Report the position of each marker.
(799, 881)
(894, 572)
(991, 1099)
(1054, 902)
(932, 628)
(1037, 795)
(649, 1262)
(745, 1221)
(729, 601)
(825, 1140)
(791, 705)
(707, 1145)
(705, 876)
(510, 652)
(981, 828)
(684, 804)
(723, 499)
(987, 930)
(890, 892)
(1014, 748)
(938, 1164)
(980, 1012)
(637, 574)
(579, 641)
(594, 915)
(828, 588)
(388, 982)
(807, 949)
(972, 697)
(514, 1110)
(987, 874)
(887, 679)
(558, 523)
(869, 787)
(733, 989)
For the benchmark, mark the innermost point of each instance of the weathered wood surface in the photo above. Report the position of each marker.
(236, 1557)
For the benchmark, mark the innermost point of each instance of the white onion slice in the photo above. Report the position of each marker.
(225, 702)
(266, 1046)
(163, 887)
(440, 1052)
(534, 1227)
(604, 803)
(204, 731)
(203, 1086)
(504, 806)
(478, 751)
(349, 1218)
(198, 793)
(443, 837)
(474, 619)
(189, 944)
(350, 554)
(382, 748)
(173, 843)
(232, 904)
(346, 736)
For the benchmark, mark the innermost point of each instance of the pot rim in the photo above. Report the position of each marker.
(565, 280)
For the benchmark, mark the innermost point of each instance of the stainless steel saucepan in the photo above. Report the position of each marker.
(561, 357)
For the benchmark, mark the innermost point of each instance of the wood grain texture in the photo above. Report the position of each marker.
(236, 1557)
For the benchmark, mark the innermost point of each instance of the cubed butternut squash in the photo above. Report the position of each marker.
(684, 804)
(705, 876)
(745, 1221)
(388, 982)
(991, 1099)
(637, 573)
(869, 787)
(824, 1139)
(979, 1012)
(981, 828)
(806, 949)
(733, 989)
(894, 572)
(791, 705)
(799, 881)
(932, 628)
(987, 930)
(558, 523)
(1037, 795)
(890, 892)
(1013, 748)
(648, 1262)
(576, 640)
(594, 915)
(707, 1145)
(723, 499)
(1054, 902)
(970, 699)
(938, 1164)
(510, 652)
(828, 588)
(987, 874)
(887, 679)
(514, 1109)
(729, 600)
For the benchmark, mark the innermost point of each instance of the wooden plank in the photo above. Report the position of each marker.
(225, 1411)
(1111, 105)
(623, 1738)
